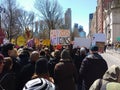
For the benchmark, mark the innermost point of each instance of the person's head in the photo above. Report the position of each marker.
(94, 49)
(42, 53)
(13, 53)
(41, 67)
(7, 48)
(34, 56)
(24, 57)
(1, 63)
(29, 49)
(83, 51)
(8, 64)
(40, 80)
(24, 54)
(46, 49)
(56, 54)
(19, 51)
(65, 54)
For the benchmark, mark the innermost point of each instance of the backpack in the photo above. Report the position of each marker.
(113, 86)
(109, 85)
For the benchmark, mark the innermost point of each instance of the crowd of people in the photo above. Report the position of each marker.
(52, 68)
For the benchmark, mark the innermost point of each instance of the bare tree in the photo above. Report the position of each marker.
(51, 12)
(25, 19)
(15, 20)
(10, 18)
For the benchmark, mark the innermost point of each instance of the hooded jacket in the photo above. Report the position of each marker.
(92, 67)
(111, 75)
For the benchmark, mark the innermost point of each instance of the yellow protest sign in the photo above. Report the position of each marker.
(46, 42)
(21, 41)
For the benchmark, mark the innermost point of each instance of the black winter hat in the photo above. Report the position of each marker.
(8, 46)
(41, 66)
(94, 48)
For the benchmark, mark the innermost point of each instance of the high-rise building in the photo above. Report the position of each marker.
(78, 31)
(68, 20)
(75, 30)
(81, 31)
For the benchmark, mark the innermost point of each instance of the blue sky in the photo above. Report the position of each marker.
(80, 9)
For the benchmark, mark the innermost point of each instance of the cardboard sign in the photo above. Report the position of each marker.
(60, 37)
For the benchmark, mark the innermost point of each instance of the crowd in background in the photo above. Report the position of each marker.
(53, 68)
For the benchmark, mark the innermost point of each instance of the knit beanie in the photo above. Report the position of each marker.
(41, 66)
(65, 54)
(94, 48)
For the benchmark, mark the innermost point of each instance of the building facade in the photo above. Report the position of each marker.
(107, 19)
(112, 20)
(99, 16)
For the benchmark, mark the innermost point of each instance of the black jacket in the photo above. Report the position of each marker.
(51, 65)
(26, 74)
(8, 81)
(92, 68)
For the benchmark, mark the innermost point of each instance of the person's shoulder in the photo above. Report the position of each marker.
(39, 83)
(31, 83)
(8, 76)
(94, 56)
(89, 56)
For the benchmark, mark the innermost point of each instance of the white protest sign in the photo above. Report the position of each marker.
(82, 42)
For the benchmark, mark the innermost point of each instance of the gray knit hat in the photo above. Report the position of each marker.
(65, 54)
